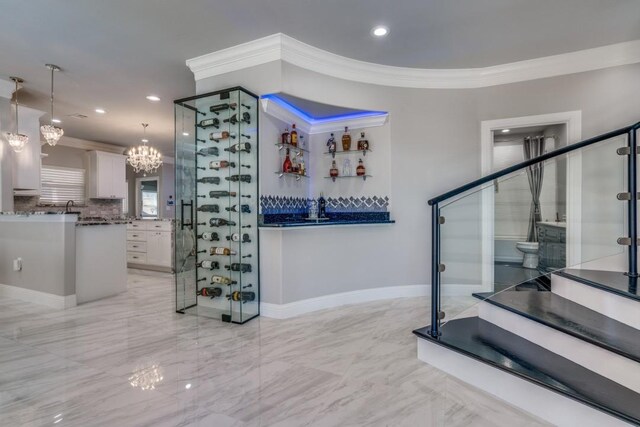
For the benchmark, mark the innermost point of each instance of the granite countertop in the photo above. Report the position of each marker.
(324, 223)
(83, 223)
(341, 218)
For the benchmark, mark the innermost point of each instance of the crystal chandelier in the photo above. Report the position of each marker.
(143, 158)
(51, 133)
(16, 139)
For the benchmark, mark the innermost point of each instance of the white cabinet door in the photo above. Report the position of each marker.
(107, 175)
(118, 177)
(103, 173)
(27, 164)
(159, 248)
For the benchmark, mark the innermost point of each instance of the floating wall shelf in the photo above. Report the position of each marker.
(364, 152)
(292, 147)
(333, 178)
(296, 175)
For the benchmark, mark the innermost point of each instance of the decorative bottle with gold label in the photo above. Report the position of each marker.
(346, 139)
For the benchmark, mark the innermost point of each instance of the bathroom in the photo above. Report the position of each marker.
(517, 250)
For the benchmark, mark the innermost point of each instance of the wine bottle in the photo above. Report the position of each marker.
(209, 151)
(218, 194)
(219, 222)
(222, 280)
(209, 265)
(210, 292)
(209, 236)
(287, 165)
(242, 146)
(209, 208)
(222, 107)
(209, 180)
(236, 178)
(219, 250)
(233, 119)
(237, 266)
(246, 117)
(239, 208)
(322, 206)
(242, 296)
(217, 136)
(237, 237)
(221, 164)
(294, 135)
(209, 122)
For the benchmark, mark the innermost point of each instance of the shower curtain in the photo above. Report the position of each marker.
(533, 147)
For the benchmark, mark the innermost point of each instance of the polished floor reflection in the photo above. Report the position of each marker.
(131, 361)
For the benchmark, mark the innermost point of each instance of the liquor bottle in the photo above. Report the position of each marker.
(360, 169)
(293, 136)
(286, 165)
(331, 144)
(217, 136)
(221, 164)
(322, 206)
(209, 180)
(209, 151)
(333, 172)
(242, 146)
(219, 250)
(209, 265)
(209, 208)
(209, 122)
(246, 117)
(286, 136)
(236, 178)
(237, 237)
(210, 292)
(346, 139)
(218, 194)
(294, 165)
(242, 296)
(222, 107)
(363, 143)
(239, 208)
(233, 119)
(302, 169)
(209, 236)
(219, 222)
(237, 266)
(301, 142)
(222, 280)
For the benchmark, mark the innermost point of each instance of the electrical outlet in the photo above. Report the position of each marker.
(17, 264)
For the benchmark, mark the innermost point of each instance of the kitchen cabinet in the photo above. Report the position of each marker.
(150, 245)
(107, 175)
(27, 165)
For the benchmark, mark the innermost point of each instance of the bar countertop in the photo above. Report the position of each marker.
(339, 219)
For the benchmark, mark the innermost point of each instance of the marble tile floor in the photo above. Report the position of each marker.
(132, 361)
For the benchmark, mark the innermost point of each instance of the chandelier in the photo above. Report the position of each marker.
(144, 158)
(16, 139)
(51, 133)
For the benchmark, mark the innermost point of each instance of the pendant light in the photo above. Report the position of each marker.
(144, 158)
(51, 133)
(17, 140)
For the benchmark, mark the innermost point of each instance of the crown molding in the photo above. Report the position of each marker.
(287, 49)
(6, 89)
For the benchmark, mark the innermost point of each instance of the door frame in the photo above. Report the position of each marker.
(573, 122)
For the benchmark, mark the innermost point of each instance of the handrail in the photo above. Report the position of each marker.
(526, 163)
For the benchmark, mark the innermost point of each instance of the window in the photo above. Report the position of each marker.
(60, 185)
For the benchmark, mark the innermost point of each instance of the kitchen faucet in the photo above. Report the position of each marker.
(66, 207)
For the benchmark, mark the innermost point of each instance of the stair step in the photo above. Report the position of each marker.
(485, 342)
(570, 318)
(611, 281)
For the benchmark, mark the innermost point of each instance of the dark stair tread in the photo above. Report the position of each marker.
(574, 319)
(611, 281)
(487, 343)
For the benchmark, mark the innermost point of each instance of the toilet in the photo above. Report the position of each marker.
(530, 251)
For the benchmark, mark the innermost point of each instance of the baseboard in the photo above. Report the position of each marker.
(539, 401)
(37, 297)
(292, 309)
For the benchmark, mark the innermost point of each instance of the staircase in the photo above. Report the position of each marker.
(568, 353)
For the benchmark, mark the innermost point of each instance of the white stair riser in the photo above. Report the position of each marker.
(622, 309)
(539, 401)
(603, 362)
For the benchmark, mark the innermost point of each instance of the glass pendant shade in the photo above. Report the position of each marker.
(50, 132)
(144, 158)
(17, 140)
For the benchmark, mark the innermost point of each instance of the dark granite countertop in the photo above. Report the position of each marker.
(323, 223)
(337, 218)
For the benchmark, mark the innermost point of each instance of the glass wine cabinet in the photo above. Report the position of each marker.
(216, 205)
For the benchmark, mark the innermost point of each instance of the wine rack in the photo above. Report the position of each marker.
(217, 248)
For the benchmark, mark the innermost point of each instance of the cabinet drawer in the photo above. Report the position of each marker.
(137, 247)
(137, 236)
(137, 257)
(160, 226)
(137, 225)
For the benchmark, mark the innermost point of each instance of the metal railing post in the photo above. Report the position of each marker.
(435, 270)
(632, 207)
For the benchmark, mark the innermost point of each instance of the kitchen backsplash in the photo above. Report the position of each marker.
(92, 207)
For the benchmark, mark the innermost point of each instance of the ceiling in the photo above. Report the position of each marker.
(114, 53)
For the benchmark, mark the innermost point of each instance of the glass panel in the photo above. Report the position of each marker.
(489, 243)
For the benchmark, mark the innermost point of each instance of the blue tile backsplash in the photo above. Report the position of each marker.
(298, 205)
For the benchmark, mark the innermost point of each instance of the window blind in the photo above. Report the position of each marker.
(60, 185)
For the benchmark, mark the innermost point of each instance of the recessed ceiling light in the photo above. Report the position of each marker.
(153, 98)
(144, 140)
(187, 386)
(185, 133)
(506, 130)
(56, 120)
(380, 31)
(100, 111)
